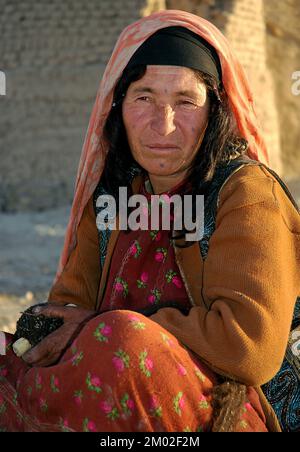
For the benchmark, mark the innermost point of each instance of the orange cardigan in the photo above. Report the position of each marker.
(243, 294)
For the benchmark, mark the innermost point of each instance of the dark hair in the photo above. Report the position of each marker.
(120, 166)
(220, 142)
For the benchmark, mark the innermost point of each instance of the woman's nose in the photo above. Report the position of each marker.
(163, 120)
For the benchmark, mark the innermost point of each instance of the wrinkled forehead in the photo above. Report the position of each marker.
(158, 70)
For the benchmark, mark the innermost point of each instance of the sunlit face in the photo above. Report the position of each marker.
(165, 114)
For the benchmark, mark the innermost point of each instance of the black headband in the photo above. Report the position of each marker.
(178, 46)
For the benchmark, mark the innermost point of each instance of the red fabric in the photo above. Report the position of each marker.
(113, 377)
(143, 271)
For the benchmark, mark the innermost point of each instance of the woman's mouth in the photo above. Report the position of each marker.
(162, 148)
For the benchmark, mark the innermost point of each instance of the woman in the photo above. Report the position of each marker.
(166, 335)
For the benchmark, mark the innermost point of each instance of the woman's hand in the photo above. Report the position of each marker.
(49, 350)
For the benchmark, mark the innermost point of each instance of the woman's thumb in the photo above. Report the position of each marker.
(50, 310)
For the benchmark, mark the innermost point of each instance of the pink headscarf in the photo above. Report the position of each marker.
(95, 148)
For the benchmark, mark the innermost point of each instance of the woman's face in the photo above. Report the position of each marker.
(165, 114)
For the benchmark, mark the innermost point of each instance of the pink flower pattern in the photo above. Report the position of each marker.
(145, 271)
(177, 281)
(151, 299)
(105, 407)
(89, 426)
(182, 370)
(119, 287)
(130, 404)
(118, 363)
(160, 254)
(95, 381)
(106, 330)
(121, 389)
(144, 277)
(78, 397)
(149, 364)
(120, 360)
(78, 400)
(120, 406)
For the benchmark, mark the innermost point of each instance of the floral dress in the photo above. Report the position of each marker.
(143, 272)
(124, 372)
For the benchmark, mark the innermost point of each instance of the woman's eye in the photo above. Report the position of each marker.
(187, 103)
(144, 98)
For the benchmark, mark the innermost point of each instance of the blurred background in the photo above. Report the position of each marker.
(53, 54)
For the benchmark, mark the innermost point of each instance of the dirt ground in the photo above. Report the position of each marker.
(30, 246)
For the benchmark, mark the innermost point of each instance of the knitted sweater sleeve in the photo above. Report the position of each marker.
(79, 282)
(251, 279)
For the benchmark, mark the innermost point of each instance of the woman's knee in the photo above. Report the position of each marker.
(121, 317)
(125, 329)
